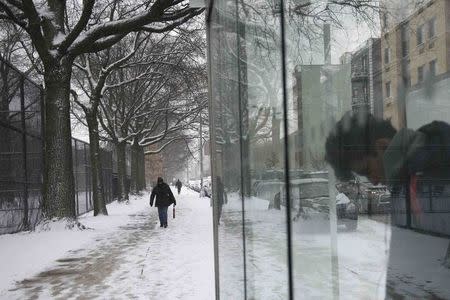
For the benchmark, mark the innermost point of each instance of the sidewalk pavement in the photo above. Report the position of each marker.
(137, 260)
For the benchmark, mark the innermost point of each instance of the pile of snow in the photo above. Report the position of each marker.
(196, 186)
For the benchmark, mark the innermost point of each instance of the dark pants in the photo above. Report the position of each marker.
(162, 212)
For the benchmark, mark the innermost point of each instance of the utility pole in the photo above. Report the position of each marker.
(201, 153)
(187, 171)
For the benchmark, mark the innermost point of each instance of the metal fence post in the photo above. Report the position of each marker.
(42, 102)
(24, 156)
(86, 169)
(77, 209)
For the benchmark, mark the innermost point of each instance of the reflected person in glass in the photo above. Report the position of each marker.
(415, 164)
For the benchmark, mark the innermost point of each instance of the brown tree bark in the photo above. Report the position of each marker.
(137, 168)
(122, 171)
(98, 193)
(59, 194)
(141, 181)
(134, 168)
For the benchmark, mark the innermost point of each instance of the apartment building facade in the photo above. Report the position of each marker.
(414, 52)
(366, 78)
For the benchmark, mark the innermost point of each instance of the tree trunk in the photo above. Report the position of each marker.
(6, 169)
(245, 168)
(135, 168)
(122, 171)
(59, 194)
(98, 193)
(141, 166)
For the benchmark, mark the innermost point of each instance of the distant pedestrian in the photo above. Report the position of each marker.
(178, 184)
(221, 196)
(164, 198)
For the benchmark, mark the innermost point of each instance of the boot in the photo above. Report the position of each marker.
(165, 225)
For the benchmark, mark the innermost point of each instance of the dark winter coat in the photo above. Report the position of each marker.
(178, 184)
(418, 169)
(163, 194)
(417, 165)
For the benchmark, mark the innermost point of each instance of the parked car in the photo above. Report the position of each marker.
(311, 196)
(379, 198)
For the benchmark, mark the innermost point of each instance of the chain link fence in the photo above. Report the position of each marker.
(21, 144)
(21, 156)
(83, 178)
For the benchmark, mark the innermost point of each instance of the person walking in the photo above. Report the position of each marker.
(221, 196)
(164, 198)
(178, 184)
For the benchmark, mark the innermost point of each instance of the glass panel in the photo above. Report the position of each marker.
(246, 86)
(262, 149)
(225, 117)
(369, 176)
(363, 115)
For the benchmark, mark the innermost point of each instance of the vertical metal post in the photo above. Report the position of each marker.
(327, 44)
(41, 171)
(88, 185)
(333, 233)
(77, 209)
(24, 156)
(201, 153)
(187, 171)
(241, 57)
(212, 135)
(408, 203)
(284, 66)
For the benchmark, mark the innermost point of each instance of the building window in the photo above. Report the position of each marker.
(387, 55)
(365, 92)
(420, 74)
(388, 89)
(419, 35)
(407, 80)
(432, 28)
(433, 68)
(355, 92)
(364, 63)
(405, 40)
(385, 20)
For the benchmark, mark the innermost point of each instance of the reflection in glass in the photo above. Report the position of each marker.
(360, 119)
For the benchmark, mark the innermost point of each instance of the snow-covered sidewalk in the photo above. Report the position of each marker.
(126, 255)
(363, 265)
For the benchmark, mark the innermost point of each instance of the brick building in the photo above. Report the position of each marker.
(414, 49)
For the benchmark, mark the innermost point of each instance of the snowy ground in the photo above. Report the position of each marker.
(125, 256)
(128, 256)
(361, 268)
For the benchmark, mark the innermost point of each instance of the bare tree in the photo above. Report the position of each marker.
(91, 78)
(62, 30)
(155, 108)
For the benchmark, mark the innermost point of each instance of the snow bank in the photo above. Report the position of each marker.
(27, 253)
